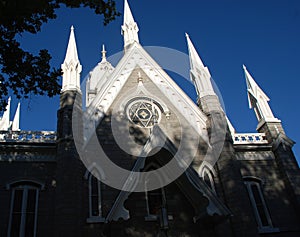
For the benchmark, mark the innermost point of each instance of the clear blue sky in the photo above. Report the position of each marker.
(263, 35)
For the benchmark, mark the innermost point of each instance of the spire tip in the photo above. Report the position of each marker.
(103, 53)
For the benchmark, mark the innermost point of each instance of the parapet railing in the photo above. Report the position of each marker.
(28, 136)
(249, 138)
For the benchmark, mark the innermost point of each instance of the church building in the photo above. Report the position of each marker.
(134, 156)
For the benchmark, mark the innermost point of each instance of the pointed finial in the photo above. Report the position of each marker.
(71, 67)
(5, 120)
(128, 17)
(16, 121)
(140, 79)
(103, 54)
(129, 27)
(258, 100)
(72, 49)
(200, 74)
(194, 57)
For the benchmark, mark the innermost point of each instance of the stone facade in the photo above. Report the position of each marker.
(228, 184)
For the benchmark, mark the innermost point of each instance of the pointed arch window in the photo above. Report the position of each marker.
(95, 199)
(261, 212)
(155, 200)
(207, 175)
(156, 204)
(23, 209)
(157, 207)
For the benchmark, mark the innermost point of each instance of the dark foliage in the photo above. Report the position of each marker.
(22, 72)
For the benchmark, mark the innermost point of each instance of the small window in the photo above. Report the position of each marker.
(23, 210)
(208, 179)
(258, 202)
(95, 200)
(157, 208)
(155, 201)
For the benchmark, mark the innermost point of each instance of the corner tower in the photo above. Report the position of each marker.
(69, 171)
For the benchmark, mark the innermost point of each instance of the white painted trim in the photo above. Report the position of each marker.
(92, 218)
(250, 181)
(137, 57)
(24, 188)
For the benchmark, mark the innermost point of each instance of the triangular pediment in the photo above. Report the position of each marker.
(137, 61)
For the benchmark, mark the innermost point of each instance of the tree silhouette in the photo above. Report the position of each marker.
(22, 72)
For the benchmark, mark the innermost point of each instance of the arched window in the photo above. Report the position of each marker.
(258, 202)
(157, 207)
(95, 199)
(156, 201)
(208, 177)
(23, 208)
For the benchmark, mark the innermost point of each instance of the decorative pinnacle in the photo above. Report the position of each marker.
(129, 27)
(140, 79)
(194, 56)
(103, 53)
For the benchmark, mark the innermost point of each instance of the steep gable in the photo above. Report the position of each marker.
(137, 58)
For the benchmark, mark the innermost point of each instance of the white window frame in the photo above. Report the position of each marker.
(204, 169)
(95, 218)
(209, 174)
(249, 181)
(24, 187)
(151, 217)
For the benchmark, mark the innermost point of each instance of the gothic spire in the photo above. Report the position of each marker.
(103, 54)
(16, 121)
(129, 27)
(258, 100)
(200, 74)
(4, 121)
(71, 67)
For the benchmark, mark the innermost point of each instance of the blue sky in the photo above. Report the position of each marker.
(263, 35)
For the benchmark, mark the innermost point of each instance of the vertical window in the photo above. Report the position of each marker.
(208, 179)
(157, 208)
(258, 203)
(155, 201)
(23, 211)
(95, 200)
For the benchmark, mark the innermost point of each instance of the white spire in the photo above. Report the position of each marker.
(4, 121)
(71, 67)
(103, 54)
(129, 27)
(258, 100)
(16, 121)
(200, 74)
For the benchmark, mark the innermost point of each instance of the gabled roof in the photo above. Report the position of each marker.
(137, 57)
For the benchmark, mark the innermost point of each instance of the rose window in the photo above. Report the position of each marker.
(144, 113)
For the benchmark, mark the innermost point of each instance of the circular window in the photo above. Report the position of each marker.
(144, 113)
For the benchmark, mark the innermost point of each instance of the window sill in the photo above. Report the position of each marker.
(95, 219)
